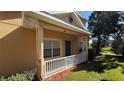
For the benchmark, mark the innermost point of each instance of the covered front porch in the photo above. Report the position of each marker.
(57, 48)
(62, 50)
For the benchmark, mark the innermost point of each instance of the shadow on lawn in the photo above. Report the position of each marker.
(120, 59)
(106, 62)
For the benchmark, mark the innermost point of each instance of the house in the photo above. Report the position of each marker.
(49, 41)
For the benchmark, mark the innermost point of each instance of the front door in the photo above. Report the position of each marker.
(67, 48)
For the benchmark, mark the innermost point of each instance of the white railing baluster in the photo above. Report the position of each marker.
(49, 66)
(54, 65)
(45, 69)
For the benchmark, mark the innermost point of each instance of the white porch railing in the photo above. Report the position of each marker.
(54, 65)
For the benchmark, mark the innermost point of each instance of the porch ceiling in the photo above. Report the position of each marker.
(59, 29)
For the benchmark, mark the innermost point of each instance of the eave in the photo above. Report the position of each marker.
(56, 21)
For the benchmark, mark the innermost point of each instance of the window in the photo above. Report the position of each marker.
(56, 48)
(51, 48)
(47, 48)
(70, 20)
(80, 46)
(85, 48)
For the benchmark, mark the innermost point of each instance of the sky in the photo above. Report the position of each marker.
(86, 15)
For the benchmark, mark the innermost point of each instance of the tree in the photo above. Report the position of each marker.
(103, 24)
(118, 44)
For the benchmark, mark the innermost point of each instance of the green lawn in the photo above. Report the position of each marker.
(107, 66)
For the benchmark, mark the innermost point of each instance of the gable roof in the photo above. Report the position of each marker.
(80, 16)
(80, 21)
(58, 12)
(77, 16)
(56, 21)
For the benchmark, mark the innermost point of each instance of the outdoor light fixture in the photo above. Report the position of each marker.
(64, 30)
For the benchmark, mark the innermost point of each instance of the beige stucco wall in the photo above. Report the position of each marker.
(17, 49)
(63, 37)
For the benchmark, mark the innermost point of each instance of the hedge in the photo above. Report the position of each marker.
(24, 76)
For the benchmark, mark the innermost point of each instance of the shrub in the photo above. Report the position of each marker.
(24, 76)
(106, 49)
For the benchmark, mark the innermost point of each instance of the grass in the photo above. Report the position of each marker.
(106, 67)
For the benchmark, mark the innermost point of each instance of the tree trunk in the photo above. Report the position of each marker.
(98, 45)
(123, 50)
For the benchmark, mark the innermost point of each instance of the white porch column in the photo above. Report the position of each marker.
(40, 51)
(82, 39)
(81, 42)
(85, 44)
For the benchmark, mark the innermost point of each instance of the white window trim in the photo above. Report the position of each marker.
(54, 39)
